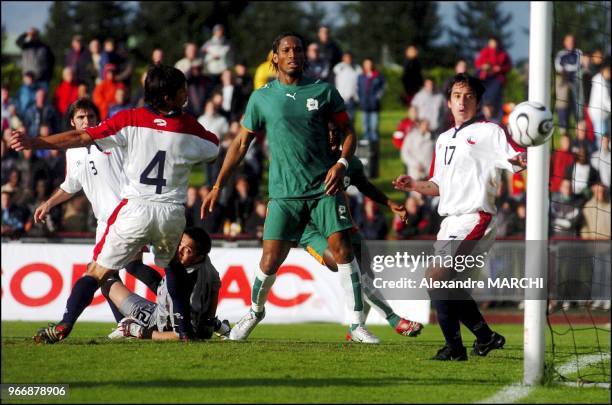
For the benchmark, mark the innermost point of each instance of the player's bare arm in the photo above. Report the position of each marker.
(333, 180)
(43, 209)
(407, 183)
(372, 192)
(65, 140)
(236, 152)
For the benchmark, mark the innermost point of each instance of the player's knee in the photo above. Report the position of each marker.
(329, 261)
(110, 278)
(269, 263)
(342, 252)
(96, 271)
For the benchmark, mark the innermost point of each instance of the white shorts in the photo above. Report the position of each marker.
(478, 227)
(136, 223)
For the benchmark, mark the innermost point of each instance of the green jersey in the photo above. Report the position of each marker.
(295, 119)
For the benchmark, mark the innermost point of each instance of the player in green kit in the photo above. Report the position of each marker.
(316, 245)
(305, 180)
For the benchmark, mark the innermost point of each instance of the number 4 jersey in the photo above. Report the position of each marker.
(159, 151)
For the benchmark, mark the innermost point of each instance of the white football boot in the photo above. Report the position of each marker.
(362, 335)
(245, 325)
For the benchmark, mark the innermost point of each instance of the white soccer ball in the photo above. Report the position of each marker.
(530, 123)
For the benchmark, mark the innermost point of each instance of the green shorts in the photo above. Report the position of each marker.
(287, 219)
(315, 243)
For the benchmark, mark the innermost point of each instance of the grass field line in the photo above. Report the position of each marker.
(573, 366)
(508, 394)
(516, 392)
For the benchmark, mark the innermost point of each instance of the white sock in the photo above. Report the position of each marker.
(350, 281)
(374, 297)
(261, 288)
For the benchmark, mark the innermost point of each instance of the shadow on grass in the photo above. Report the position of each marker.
(287, 381)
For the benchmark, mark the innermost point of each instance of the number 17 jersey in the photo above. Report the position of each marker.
(466, 167)
(159, 151)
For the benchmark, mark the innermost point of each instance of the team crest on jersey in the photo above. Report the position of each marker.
(471, 140)
(342, 211)
(160, 122)
(347, 181)
(312, 104)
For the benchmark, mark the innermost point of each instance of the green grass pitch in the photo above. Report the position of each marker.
(279, 363)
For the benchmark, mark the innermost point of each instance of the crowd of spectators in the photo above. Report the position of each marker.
(580, 161)
(219, 85)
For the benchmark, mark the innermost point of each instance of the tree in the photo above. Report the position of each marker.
(101, 19)
(476, 21)
(314, 16)
(588, 21)
(372, 26)
(261, 21)
(170, 24)
(59, 28)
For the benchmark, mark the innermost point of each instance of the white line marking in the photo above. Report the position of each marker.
(587, 385)
(572, 366)
(515, 392)
(508, 394)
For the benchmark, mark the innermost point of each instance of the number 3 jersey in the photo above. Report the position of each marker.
(466, 167)
(100, 176)
(159, 151)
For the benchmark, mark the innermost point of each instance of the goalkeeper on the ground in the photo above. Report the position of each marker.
(156, 320)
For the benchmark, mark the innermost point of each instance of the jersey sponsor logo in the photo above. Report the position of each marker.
(160, 122)
(312, 104)
(471, 140)
(291, 95)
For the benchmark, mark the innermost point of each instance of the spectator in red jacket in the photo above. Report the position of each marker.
(492, 65)
(104, 93)
(561, 160)
(66, 92)
(404, 127)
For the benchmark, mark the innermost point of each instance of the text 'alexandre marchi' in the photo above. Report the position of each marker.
(524, 283)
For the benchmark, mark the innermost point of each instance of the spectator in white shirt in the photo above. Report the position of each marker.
(184, 64)
(213, 120)
(600, 161)
(346, 74)
(217, 53)
(430, 105)
(417, 151)
(599, 102)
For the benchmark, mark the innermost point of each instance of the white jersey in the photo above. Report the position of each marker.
(466, 167)
(159, 151)
(100, 176)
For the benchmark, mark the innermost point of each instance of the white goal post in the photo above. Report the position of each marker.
(536, 260)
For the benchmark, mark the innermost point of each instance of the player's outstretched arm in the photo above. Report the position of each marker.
(375, 194)
(407, 183)
(519, 160)
(235, 153)
(43, 209)
(65, 140)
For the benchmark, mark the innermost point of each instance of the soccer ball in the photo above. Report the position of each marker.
(530, 123)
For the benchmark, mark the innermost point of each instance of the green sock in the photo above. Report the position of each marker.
(393, 319)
